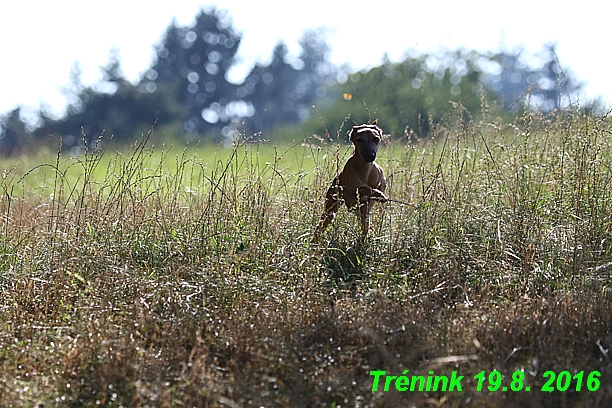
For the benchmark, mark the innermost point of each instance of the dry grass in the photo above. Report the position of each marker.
(150, 287)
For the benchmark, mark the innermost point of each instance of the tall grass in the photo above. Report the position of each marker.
(159, 279)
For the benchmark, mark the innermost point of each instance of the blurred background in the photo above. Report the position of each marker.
(214, 71)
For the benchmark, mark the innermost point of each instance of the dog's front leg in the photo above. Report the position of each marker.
(379, 196)
(373, 193)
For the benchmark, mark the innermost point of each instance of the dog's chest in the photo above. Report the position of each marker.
(356, 177)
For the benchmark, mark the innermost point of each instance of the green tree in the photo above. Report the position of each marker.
(404, 96)
(316, 71)
(192, 63)
(282, 93)
(113, 106)
(268, 89)
(13, 133)
(546, 86)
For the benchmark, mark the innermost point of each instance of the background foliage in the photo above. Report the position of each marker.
(187, 92)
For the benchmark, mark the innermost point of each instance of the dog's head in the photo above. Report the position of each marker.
(366, 139)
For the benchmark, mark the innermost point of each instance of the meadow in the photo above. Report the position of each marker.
(171, 276)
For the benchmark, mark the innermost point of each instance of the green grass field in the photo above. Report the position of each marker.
(174, 276)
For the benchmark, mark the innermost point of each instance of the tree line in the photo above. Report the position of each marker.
(186, 90)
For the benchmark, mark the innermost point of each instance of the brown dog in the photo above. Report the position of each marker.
(360, 183)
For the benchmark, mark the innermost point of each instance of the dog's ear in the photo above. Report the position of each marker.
(375, 123)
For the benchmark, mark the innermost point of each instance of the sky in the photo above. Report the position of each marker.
(42, 40)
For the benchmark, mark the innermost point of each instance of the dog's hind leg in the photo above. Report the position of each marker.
(332, 203)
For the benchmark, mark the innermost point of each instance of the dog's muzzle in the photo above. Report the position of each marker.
(369, 156)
